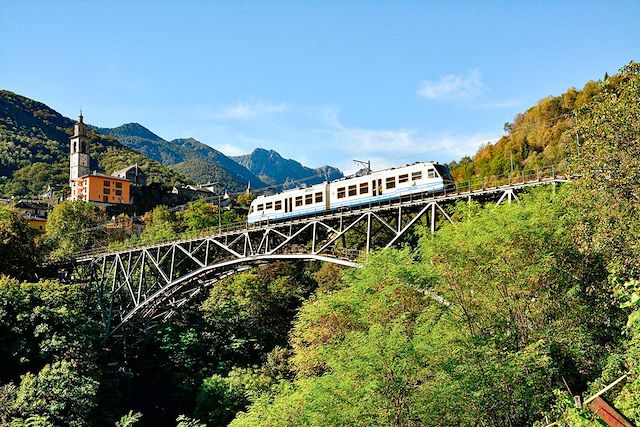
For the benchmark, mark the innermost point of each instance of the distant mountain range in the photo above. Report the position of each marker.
(190, 157)
(202, 163)
(34, 153)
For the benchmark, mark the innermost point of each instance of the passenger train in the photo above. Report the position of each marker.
(350, 192)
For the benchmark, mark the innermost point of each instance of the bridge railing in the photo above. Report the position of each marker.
(486, 183)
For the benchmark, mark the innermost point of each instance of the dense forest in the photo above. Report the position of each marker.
(497, 320)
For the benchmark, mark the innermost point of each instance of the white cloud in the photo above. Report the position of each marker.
(453, 86)
(247, 110)
(231, 150)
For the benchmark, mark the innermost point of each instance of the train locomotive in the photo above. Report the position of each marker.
(352, 192)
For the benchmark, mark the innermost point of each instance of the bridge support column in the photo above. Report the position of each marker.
(368, 232)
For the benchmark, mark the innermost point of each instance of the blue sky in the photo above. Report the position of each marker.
(321, 82)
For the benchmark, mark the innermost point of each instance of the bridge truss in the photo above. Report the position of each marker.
(145, 286)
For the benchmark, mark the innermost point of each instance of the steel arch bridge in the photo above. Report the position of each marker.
(145, 286)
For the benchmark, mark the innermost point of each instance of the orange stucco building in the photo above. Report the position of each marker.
(102, 189)
(93, 186)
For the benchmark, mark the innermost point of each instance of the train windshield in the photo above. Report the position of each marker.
(443, 171)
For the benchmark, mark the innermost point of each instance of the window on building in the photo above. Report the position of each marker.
(107, 183)
(278, 205)
(105, 199)
(341, 193)
(353, 190)
(318, 197)
(118, 192)
(308, 199)
(298, 200)
(431, 173)
(260, 207)
(268, 205)
(416, 176)
(391, 182)
(364, 188)
(106, 190)
(118, 185)
(403, 178)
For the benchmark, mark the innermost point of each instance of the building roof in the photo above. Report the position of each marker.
(102, 175)
(128, 168)
(31, 204)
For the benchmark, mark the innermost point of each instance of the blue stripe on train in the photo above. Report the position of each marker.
(432, 187)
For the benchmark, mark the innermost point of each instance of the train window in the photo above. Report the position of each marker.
(431, 173)
(278, 205)
(318, 197)
(416, 176)
(353, 190)
(308, 199)
(298, 200)
(364, 188)
(260, 207)
(403, 178)
(250, 209)
(341, 193)
(268, 205)
(391, 182)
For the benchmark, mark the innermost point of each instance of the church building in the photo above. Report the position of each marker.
(93, 186)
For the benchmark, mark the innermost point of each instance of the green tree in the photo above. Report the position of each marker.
(74, 226)
(60, 393)
(42, 323)
(184, 421)
(18, 254)
(607, 153)
(129, 420)
(219, 400)
(200, 215)
(159, 225)
(245, 199)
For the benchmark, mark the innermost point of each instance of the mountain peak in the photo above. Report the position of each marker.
(272, 168)
(134, 130)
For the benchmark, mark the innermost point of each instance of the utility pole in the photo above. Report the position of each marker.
(366, 164)
(220, 197)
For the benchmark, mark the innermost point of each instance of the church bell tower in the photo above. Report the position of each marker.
(79, 151)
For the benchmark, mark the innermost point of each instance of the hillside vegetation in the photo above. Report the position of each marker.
(34, 150)
(535, 139)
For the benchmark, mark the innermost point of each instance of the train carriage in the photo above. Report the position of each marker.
(384, 185)
(390, 184)
(291, 203)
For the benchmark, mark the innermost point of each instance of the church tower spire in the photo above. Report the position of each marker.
(78, 151)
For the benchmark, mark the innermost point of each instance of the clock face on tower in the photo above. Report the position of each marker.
(84, 159)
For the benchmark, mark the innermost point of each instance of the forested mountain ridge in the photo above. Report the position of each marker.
(198, 161)
(34, 149)
(272, 169)
(535, 139)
